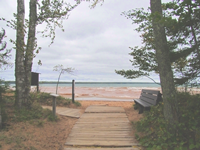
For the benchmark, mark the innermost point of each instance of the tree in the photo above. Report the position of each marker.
(183, 55)
(156, 55)
(186, 29)
(49, 12)
(164, 64)
(4, 54)
(61, 70)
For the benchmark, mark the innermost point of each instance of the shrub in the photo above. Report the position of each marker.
(52, 118)
(156, 131)
(35, 112)
(46, 99)
(3, 87)
(63, 101)
(77, 103)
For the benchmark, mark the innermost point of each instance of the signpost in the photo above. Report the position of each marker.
(54, 104)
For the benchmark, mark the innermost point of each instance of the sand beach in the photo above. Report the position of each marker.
(99, 93)
(103, 93)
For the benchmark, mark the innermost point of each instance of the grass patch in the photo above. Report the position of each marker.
(32, 148)
(52, 118)
(46, 99)
(77, 103)
(32, 114)
(2, 137)
(26, 114)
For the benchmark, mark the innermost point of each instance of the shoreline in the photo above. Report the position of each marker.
(104, 93)
(98, 93)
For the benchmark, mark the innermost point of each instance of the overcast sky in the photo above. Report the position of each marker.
(95, 42)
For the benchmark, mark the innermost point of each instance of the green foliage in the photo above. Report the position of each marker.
(16, 139)
(33, 148)
(4, 54)
(40, 123)
(49, 13)
(26, 114)
(63, 101)
(52, 118)
(77, 103)
(3, 87)
(41, 97)
(46, 99)
(36, 112)
(52, 13)
(181, 22)
(135, 106)
(159, 134)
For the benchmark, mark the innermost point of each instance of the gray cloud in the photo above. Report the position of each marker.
(95, 42)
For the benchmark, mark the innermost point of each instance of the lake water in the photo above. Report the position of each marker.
(101, 84)
(96, 84)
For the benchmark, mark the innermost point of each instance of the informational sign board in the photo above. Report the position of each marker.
(35, 80)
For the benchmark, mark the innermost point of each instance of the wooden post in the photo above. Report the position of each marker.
(73, 84)
(0, 119)
(38, 88)
(54, 104)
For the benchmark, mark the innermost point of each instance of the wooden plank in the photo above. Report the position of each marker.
(120, 125)
(103, 114)
(101, 148)
(103, 136)
(106, 124)
(99, 131)
(150, 91)
(104, 109)
(102, 139)
(99, 143)
(153, 97)
(108, 120)
(143, 103)
(102, 129)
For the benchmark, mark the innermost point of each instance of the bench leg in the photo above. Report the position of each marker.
(141, 109)
(136, 106)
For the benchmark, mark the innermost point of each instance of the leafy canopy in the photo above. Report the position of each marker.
(4, 53)
(181, 21)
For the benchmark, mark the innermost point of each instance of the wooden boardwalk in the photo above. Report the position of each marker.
(104, 127)
(104, 109)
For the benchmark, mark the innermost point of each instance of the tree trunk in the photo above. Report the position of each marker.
(19, 62)
(164, 65)
(30, 47)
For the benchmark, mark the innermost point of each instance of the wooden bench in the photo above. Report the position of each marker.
(147, 99)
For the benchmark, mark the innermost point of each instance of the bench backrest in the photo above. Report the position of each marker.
(150, 96)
